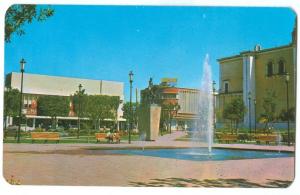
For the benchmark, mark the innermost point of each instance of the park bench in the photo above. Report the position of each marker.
(228, 137)
(266, 138)
(101, 137)
(114, 137)
(45, 136)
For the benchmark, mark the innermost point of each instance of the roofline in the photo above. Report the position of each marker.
(254, 52)
(65, 77)
(188, 88)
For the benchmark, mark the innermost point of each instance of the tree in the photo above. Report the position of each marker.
(107, 107)
(97, 107)
(11, 104)
(53, 106)
(80, 106)
(284, 115)
(127, 114)
(169, 110)
(18, 15)
(269, 107)
(234, 111)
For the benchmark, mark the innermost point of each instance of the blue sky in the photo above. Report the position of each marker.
(106, 42)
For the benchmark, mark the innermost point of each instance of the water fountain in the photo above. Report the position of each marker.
(203, 131)
(142, 140)
(278, 140)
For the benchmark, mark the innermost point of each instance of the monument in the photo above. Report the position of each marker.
(149, 114)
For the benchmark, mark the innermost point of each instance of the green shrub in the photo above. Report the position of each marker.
(38, 130)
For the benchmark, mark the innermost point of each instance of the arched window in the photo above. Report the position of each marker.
(226, 86)
(269, 69)
(281, 68)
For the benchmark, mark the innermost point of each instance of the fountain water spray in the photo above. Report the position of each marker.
(204, 125)
(142, 140)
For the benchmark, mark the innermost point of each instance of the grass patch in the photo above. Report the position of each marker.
(67, 140)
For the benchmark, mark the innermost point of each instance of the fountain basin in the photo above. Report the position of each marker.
(202, 154)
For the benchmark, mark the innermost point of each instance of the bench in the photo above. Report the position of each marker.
(101, 137)
(45, 136)
(112, 138)
(266, 138)
(228, 137)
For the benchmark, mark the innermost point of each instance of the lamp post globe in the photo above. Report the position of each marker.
(22, 65)
(79, 87)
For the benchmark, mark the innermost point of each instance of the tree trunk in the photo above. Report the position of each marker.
(5, 126)
(266, 126)
(55, 122)
(169, 122)
(95, 124)
(52, 122)
(236, 126)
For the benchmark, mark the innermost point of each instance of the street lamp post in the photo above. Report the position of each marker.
(254, 116)
(79, 110)
(22, 67)
(214, 106)
(287, 79)
(249, 100)
(130, 107)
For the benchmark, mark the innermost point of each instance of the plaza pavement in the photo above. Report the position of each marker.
(73, 164)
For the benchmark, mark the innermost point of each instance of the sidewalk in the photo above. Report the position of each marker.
(166, 141)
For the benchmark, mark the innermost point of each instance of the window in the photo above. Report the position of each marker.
(269, 69)
(226, 87)
(281, 69)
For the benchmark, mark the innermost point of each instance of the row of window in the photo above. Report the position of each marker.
(271, 68)
(270, 71)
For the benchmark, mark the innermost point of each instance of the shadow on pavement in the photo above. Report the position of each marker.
(227, 183)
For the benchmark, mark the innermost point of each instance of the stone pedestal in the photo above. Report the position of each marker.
(149, 119)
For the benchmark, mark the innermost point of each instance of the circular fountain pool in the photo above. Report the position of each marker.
(202, 154)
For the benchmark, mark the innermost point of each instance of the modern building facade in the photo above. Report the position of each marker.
(250, 75)
(188, 101)
(35, 85)
(186, 98)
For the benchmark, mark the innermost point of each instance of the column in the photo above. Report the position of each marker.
(249, 86)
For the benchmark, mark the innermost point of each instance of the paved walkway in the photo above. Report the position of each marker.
(171, 137)
(72, 164)
(166, 141)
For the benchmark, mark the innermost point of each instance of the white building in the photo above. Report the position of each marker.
(35, 85)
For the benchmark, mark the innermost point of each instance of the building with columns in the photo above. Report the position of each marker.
(35, 85)
(250, 75)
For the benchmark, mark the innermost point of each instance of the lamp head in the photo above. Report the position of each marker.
(22, 64)
(130, 76)
(287, 77)
(214, 83)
